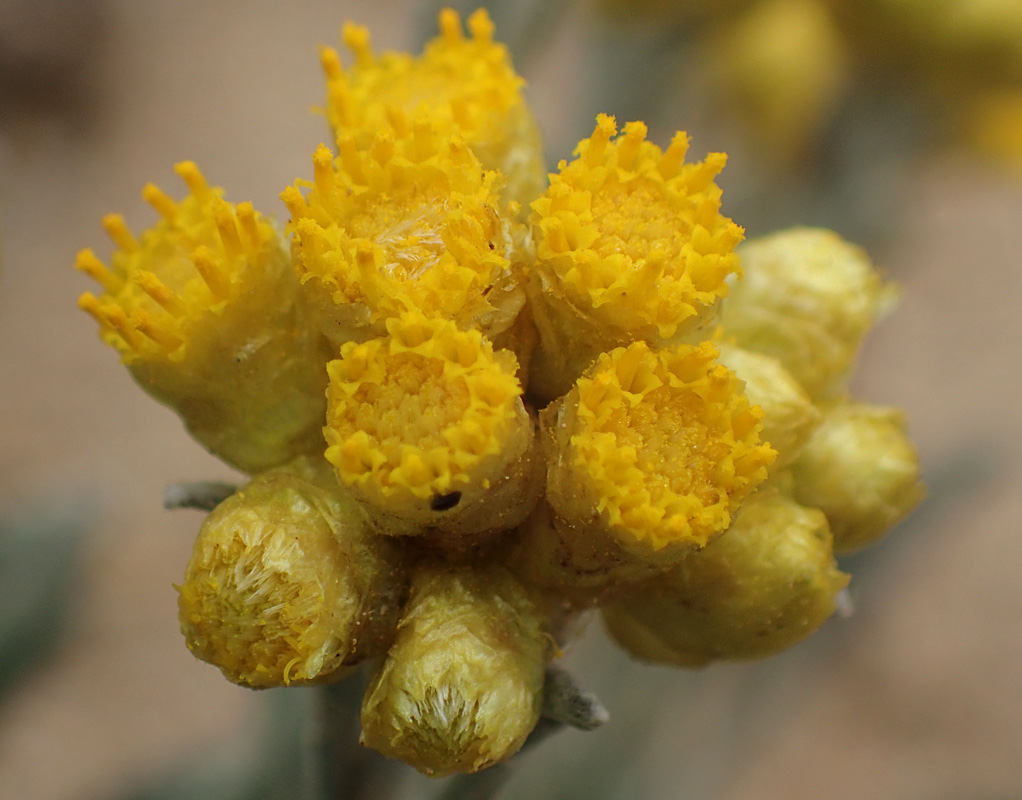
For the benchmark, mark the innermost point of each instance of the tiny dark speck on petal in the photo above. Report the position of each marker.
(443, 502)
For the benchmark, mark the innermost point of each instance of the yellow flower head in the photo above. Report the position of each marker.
(411, 223)
(166, 288)
(286, 585)
(426, 420)
(661, 446)
(462, 85)
(633, 237)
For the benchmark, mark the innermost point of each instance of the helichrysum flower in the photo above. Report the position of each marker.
(462, 685)
(650, 454)
(202, 308)
(428, 428)
(287, 585)
(765, 585)
(807, 298)
(630, 244)
(462, 85)
(411, 222)
(789, 416)
(860, 468)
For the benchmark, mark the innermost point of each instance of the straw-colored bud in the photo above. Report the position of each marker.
(462, 685)
(428, 428)
(765, 585)
(789, 416)
(861, 469)
(286, 585)
(807, 299)
(630, 245)
(203, 309)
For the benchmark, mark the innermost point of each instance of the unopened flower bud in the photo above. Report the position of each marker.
(789, 416)
(630, 245)
(461, 687)
(767, 583)
(807, 298)
(428, 428)
(203, 309)
(286, 585)
(861, 469)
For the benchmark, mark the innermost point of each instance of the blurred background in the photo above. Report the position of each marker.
(898, 124)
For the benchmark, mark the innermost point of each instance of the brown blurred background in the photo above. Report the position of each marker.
(916, 697)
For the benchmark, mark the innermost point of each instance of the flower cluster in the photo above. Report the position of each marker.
(472, 406)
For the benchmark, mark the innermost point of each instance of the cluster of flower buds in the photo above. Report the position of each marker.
(472, 406)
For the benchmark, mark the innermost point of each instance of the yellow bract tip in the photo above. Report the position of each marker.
(481, 25)
(118, 231)
(193, 177)
(449, 22)
(357, 39)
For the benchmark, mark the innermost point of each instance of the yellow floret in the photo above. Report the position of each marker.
(654, 450)
(203, 309)
(428, 423)
(411, 223)
(462, 85)
(202, 255)
(630, 245)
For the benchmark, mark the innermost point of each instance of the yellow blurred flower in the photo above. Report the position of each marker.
(808, 298)
(860, 468)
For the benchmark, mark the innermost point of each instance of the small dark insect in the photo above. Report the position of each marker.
(444, 502)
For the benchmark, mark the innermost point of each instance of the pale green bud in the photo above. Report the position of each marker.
(789, 416)
(807, 298)
(860, 468)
